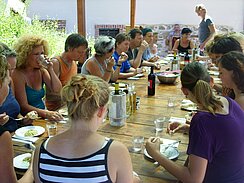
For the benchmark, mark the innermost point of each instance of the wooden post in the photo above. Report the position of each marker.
(132, 13)
(81, 17)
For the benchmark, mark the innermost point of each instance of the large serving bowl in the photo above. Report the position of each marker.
(167, 77)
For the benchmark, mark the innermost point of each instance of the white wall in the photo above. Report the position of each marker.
(55, 9)
(223, 12)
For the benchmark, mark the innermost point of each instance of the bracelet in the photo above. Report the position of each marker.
(108, 70)
(118, 65)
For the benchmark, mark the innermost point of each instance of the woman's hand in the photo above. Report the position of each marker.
(176, 126)
(53, 116)
(3, 118)
(122, 58)
(110, 63)
(153, 146)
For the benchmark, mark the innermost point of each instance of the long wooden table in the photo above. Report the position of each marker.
(141, 123)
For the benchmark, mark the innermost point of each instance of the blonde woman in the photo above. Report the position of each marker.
(80, 154)
(30, 76)
(8, 107)
(216, 135)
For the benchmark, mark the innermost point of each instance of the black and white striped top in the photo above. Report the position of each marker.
(89, 169)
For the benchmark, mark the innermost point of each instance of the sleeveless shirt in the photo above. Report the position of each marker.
(90, 169)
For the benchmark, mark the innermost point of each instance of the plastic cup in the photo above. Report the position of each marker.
(51, 128)
(137, 142)
(159, 124)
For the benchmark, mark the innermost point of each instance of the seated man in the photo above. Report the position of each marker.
(65, 66)
(137, 48)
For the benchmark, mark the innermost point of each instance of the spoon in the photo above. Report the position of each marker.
(16, 119)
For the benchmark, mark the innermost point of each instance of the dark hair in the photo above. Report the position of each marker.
(225, 44)
(234, 61)
(195, 78)
(186, 31)
(145, 31)
(121, 37)
(5, 50)
(74, 41)
(133, 33)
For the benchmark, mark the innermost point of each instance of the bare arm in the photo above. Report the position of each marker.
(195, 171)
(35, 165)
(20, 94)
(119, 163)
(212, 32)
(175, 47)
(137, 61)
(7, 172)
(51, 79)
(93, 69)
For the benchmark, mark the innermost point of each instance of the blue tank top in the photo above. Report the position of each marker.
(90, 169)
(34, 97)
(12, 108)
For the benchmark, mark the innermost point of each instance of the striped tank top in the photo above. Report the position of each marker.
(89, 169)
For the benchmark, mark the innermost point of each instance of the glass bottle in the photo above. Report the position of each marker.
(151, 83)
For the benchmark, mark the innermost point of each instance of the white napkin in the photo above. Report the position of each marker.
(176, 119)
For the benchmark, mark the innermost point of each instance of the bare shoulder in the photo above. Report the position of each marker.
(118, 147)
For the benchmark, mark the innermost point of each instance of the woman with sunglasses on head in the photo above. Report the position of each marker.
(101, 63)
(216, 134)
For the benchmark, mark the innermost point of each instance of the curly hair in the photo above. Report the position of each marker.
(3, 68)
(25, 46)
(84, 94)
(234, 61)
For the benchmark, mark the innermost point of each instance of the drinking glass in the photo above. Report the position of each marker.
(137, 143)
(51, 128)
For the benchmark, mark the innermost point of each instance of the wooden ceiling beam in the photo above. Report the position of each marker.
(132, 13)
(81, 17)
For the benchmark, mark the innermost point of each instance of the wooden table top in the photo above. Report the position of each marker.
(141, 123)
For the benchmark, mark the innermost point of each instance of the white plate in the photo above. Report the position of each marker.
(139, 75)
(63, 111)
(170, 153)
(21, 132)
(188, 105)
(19, 163)
(121, 85)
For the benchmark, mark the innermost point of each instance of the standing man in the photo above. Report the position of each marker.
(173, 36)
(65, 66)
(206, 27)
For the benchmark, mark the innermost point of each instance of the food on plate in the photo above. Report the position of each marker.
(32, 115)
(26, 161)
(30, 133)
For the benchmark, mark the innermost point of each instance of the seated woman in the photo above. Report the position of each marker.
(80, 154)
(122, 44)
(213, 157)
(7, 172)
(101, 64)
(184, 44)
(30, 76)
(231, 71)
(9, 107)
